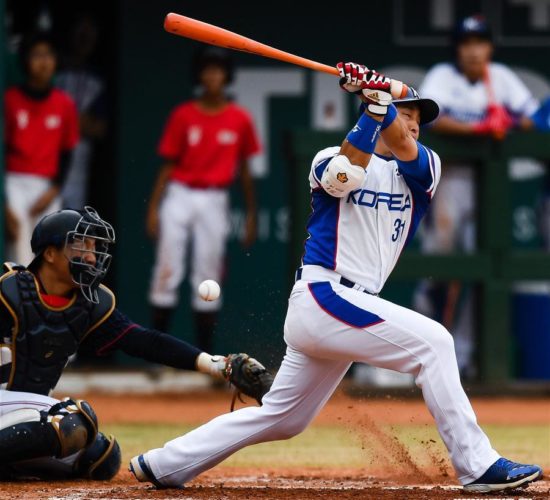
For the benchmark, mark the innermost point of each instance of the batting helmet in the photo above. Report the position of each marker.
(66, 228)
(475, 25)
(212, 56)
(429, 109)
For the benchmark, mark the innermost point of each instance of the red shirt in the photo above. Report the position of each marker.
(55, 300)
(207, 148)
(38, 130)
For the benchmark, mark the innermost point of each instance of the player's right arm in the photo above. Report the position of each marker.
(341, 173)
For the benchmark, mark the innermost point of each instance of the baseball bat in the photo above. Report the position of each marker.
(214, 35)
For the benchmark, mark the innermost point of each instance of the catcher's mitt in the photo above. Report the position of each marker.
(248, 376)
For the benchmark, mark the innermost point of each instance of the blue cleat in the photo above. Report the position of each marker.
(141, 471)
(505, 475)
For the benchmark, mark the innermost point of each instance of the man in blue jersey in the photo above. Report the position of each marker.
(369, 195)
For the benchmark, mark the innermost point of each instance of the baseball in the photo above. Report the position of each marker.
(209, 290)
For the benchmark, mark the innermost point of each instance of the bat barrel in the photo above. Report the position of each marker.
(214, 35)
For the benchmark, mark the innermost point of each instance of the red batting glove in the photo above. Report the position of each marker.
(501, 121)
(351, 76)
(497, 122)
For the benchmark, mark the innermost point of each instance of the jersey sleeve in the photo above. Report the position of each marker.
(436, 86)
(422, 174)
(108, 334)
(172, 141)
(71, 131)
(319, 164)
(250, 144)
(119, 332)
(519, 99)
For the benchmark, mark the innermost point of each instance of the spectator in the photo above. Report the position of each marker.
(204, 143)
(87, 89)
(476, 97)
(41, 130)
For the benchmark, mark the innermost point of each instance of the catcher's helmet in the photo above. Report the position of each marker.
(68, 229)
(475, 25)
(212, 56)
(429, 109)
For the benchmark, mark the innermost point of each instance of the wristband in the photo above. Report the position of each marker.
(365, 134)
(391, 115)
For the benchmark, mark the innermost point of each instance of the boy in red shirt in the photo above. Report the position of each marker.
(206, 143)
(41, 129)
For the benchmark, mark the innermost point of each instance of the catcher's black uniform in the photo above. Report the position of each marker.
(37, 340)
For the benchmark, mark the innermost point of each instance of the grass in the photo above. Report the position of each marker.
(337, 446)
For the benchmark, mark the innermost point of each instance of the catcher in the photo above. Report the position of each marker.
(54, 308)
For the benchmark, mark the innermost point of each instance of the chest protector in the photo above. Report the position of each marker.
(44, 337)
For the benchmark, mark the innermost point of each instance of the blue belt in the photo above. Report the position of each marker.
(343, 281)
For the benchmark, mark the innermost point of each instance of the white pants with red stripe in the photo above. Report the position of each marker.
(328, 326)
(22, 192)
(13, 400)
(196, 217)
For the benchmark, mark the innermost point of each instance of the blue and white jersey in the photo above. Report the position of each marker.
(362, 235)
(467, 102)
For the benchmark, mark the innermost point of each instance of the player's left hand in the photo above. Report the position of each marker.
(351, 76)
(248, 376)
(44, 201)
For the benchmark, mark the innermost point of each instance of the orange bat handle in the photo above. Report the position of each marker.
(213, 35)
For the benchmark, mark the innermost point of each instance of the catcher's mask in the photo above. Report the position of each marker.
(81, 232)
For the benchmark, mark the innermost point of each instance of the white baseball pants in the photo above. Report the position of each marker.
(196, 217)
(327, 326)
(22, 191)
(13, 400)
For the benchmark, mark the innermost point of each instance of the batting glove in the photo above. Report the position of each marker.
(373, 86)
(497, 123)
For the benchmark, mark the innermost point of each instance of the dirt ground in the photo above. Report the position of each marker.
(395, 476)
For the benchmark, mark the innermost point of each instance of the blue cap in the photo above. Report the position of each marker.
(472, 26)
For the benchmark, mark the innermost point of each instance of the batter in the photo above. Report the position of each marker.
(368, 197)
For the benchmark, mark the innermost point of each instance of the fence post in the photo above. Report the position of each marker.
(494, 238)
(2, 83)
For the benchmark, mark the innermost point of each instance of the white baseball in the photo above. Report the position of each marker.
(209, 290)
